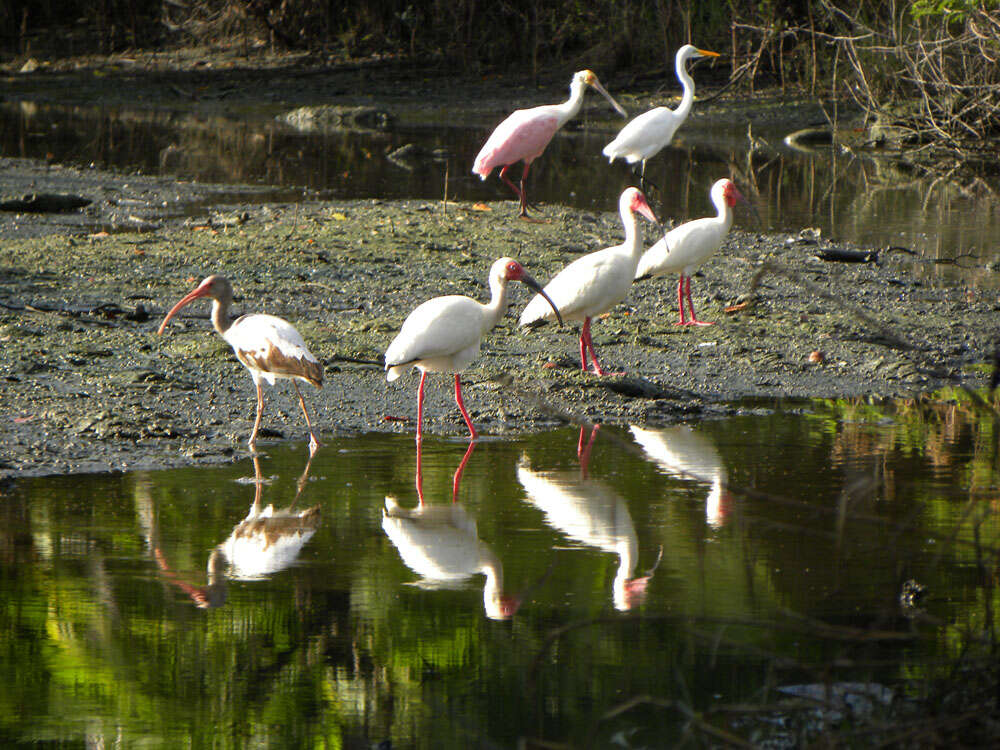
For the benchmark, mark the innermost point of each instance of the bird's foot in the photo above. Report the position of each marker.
(695, 323)
(604, 373)
(314, 445)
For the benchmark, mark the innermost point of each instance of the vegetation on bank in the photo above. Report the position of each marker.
(926, 69)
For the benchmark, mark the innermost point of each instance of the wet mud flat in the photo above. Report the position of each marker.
(89, 386)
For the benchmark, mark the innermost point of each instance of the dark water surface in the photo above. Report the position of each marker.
(876, 202)
(707, 564)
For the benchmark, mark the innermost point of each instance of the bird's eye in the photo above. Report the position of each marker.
(513, 268)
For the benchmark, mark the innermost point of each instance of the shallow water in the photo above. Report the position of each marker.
(691, 564)
(875, 202)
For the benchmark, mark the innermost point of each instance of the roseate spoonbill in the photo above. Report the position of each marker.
(596, 282)
(590, 512)
(644, 137)
(269, 347)
(525, 133)
(685, 453)
(444, 333)
(683, 249)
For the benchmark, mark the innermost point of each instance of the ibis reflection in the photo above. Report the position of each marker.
(685, 453)
(590, 512)
(441, 544)
(262, 544)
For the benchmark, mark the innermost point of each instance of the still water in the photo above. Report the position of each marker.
(570, 587)
(853, 196)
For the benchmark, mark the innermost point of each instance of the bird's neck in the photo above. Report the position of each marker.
(571, 106)
(220, 316)
(632, 245)
(496, 307)
(628, 551)
(724, 213)
(490, 566)
(687, 82)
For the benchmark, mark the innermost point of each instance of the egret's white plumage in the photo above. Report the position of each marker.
(525, 133)
(686, 247)
(444, 333)
(644, 137)
(594, 283)
(687, 454)
(590, 512)
(269, 347)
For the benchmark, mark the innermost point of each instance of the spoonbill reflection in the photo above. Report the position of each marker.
(590, 512)
(262, 544)
(685, 453)
(441, 544)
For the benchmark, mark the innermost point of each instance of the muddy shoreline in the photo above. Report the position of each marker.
(88, 386)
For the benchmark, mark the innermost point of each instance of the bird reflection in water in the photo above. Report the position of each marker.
(590, 512)
(441, 544)
(262, 544)
(685, 453)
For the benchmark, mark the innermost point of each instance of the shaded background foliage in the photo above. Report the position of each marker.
(943, 54)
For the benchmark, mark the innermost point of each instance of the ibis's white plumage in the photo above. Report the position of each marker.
(686, 247)
(441, 335)
(593, 284)
(596, 282)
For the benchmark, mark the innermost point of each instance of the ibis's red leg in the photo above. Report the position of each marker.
(457, 479)
(694, 318)
(313, 442)
(583, 451)
(260, 412)
(420, 477)
(583, 349)
(597, 370)
(461, 407)
(680, 301)
(420, 407)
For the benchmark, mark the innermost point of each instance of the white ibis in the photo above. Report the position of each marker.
(525, 133)
(644, 137)
(594, 283)
(683, 249)
(441, 544)
(687, 454)
(589, 512)
(269, 347)
(444, 334)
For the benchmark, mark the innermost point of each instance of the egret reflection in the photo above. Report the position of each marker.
(683, 452)
(440, 543)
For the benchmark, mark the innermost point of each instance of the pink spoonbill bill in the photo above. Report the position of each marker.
(444, 334)
(525, 133)
(644, 136)
(269, 347)
(594, 283)
(683, 249)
